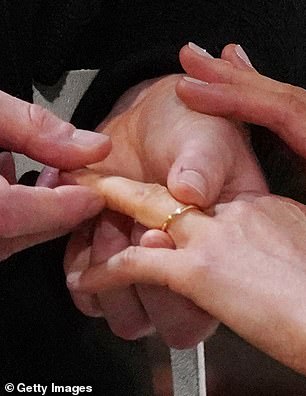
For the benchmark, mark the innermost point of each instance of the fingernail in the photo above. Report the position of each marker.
(195, 81)
(146, 332)
(200, 51)
(193, 179)
(242, 55)
(48, 177)
(87, 138)
(73, 280)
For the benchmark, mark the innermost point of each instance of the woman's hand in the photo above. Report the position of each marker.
(202, 160)
(30, 215)
(245, 265)
(235, 90)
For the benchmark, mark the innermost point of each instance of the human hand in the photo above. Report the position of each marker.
(202, 160)
(30, 215)
(245, 265)
(236, 90)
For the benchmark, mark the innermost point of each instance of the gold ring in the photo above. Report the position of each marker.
(175, 214)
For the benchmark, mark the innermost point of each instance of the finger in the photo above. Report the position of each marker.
(283, 113)
(7, 167)
(48, 177)
(77, 259)
(214, 70)
(149, 204)
(156, 238)
(111, 235)
(198, 177)
(122, 308)
(180, 323)
(236, 55)
(134, 265)
(31, 130)
(29, 210)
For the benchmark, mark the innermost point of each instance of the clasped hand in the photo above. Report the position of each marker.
(245, 264)
(202, 160)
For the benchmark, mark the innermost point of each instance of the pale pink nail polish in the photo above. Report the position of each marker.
(73, 279)
(195, 81)
(200, 51)
(242, 55)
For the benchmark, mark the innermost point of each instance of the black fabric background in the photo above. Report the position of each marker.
(42, 336)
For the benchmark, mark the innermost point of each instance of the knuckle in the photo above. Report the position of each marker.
(294, 109)
(295, 104)
(241, 209)
(38, 116)
(151, 192)
(129, 255)
(43, 121)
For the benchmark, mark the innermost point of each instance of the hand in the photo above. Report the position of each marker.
(234, 89)
(202, 160)
(245, 265)
(30, 215)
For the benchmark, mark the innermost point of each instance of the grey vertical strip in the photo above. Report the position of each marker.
(188, 371)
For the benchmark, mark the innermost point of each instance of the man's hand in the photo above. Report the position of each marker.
(245, 265)
(202, 160)
(30, 215)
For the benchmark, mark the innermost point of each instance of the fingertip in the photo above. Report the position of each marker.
(80, 149)
(157, 239)
(48, 177)
(88, 304)
(184, 52)
(187, 183)
(91, 140)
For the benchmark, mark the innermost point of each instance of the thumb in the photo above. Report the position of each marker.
(29, 129)
(197, 179)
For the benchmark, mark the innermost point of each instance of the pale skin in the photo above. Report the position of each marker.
(245, 265)
(236, 90)
(154, 138)
(31, 215)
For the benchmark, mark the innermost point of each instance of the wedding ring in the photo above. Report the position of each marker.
(175, 214)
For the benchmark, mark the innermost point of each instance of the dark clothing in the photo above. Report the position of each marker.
(43, 337)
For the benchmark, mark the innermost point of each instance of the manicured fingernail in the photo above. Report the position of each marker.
(194, 180)
(200, 51)
(87, 138)
(242, 55)
(73, 280)
(195, 81)
(48, 177)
